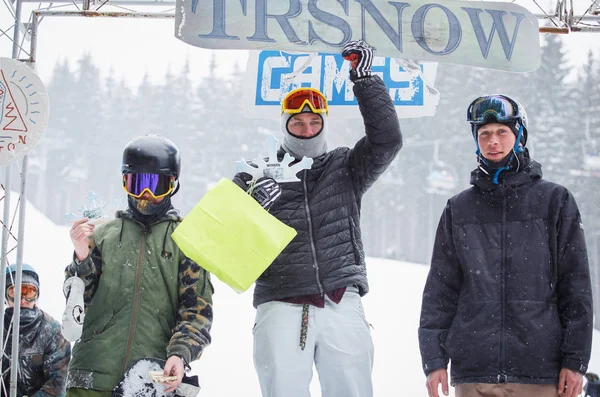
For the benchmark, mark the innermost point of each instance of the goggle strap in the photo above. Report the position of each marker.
(176, 189)
(517, 148)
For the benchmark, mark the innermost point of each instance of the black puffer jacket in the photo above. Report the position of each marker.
(508, 296)
(43, 355)
(324, 207)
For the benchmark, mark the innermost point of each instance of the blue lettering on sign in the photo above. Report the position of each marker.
(329, 75)
(418, 24)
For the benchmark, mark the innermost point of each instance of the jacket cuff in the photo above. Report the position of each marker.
(574, 365)
(435, 364)
(181, 351)
(80, 268)
(367, 81)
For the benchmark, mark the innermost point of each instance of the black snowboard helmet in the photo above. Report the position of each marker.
(151, 154)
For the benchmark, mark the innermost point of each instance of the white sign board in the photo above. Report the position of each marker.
(272, 74)
(23, 110)
(494, 35)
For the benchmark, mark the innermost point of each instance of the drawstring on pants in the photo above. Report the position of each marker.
(304, 327)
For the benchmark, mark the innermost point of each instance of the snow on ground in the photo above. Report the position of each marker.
(226, 368)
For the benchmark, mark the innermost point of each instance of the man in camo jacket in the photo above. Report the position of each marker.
(43, 352)
(143, 297)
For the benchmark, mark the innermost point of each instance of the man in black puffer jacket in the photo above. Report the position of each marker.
(508, 298)
(309, 300)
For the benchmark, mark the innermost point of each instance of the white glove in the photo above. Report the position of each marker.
(72, 319)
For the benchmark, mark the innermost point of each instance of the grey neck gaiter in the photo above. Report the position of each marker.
(300, 147)
(311, 147)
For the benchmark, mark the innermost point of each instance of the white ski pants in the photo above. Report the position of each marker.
(338, 342)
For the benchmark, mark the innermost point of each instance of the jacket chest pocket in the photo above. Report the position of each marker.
(529, 264)
(31, 361)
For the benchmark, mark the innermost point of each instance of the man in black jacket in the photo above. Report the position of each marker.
(309, 300)
(508, 298)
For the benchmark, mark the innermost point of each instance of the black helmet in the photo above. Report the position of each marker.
(151, 154)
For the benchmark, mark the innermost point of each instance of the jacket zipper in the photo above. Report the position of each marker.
(310, 234)
(136, 301)
(502, 374)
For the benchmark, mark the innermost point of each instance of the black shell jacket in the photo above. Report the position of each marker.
(43, 355)
(508, 296)
(324, 207)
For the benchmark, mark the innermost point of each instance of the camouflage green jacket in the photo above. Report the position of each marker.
(143, 298)
(43, 355)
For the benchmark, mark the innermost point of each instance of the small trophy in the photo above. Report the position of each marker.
(97, 212)
(271, 167)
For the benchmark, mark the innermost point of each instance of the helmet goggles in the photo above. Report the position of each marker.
(295, 101)
(158, 185)
(498, 107)
(29, 292)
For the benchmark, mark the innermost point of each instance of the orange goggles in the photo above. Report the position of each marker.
(295, 101)
(29, 292)
(158, 185)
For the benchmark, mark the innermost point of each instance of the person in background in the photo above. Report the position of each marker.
(508, 298)
(308, 302)
(143, 298)
(43, 352)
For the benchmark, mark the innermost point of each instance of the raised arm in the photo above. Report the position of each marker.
(87, 258)
(373, 153)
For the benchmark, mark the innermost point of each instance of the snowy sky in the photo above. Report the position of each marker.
(129, 48)
(226, 368)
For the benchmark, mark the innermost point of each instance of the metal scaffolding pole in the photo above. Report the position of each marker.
(17, 282)
(5, 234)
(4, 257)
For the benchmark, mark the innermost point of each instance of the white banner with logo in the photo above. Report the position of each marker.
(494, 35)
(272, 74)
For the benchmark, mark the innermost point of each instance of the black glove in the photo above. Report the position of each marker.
(360, 54)
(243, 180)
(266, 191)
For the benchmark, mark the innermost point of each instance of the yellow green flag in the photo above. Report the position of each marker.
(230, 235)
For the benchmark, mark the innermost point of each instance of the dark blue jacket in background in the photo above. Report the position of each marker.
(508, 297)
